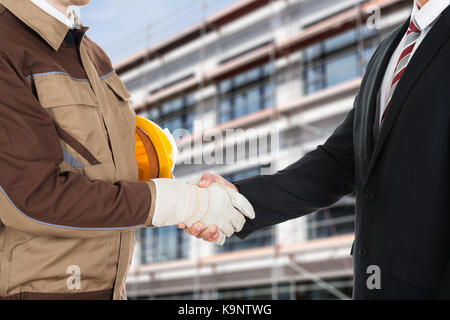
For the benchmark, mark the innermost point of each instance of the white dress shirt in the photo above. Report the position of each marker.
(68, 20)
(425, 18)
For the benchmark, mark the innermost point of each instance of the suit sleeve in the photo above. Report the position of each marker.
(35, 197)
(317, 180)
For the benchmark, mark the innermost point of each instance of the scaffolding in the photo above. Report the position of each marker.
(288, 267)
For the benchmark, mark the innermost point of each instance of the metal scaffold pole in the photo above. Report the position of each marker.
(359, 37)
(317, 280)
(275, 17)
(147, 45)
(202, 57)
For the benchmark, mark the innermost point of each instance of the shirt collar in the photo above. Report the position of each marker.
(50, 28)
(67, 19)
(428, 14)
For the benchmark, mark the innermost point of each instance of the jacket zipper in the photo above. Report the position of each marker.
(117, 285)
(109, 141)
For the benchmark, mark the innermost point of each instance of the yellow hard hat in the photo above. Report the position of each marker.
(156, 150)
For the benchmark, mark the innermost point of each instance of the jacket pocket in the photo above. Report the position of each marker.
(415, 273)
(78, 120)
(124, 119)
(11, 240)
(119, 94)
(49, 265)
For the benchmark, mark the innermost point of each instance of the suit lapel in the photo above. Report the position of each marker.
(375, 73)
(419, 62)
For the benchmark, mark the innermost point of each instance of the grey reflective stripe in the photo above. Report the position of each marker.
(74, 163)
(107, 75)
(35, 75)
(60, 226)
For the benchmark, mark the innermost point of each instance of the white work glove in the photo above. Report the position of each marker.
(179, 202)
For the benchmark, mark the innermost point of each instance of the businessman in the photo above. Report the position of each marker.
(393, 149)
(70, 197)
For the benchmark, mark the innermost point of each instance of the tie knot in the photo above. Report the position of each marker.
(414, 26)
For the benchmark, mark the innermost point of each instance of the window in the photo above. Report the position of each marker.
(312, 291)
(263, 292)
(175, 114)
(225, 110)
(163, 244)
(341, 68)
(240, 175)
(337, 59)
(260, 238)
(314, 77)
(245, 93)
(331, 222)
(153, 114)
(294, 290)
(340, 41)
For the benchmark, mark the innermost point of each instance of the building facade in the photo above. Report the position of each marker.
(248, 91)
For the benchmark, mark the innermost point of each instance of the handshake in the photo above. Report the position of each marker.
(213, 203)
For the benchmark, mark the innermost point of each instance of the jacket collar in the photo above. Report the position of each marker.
(437, 37)
(48, 27)
(370, 88)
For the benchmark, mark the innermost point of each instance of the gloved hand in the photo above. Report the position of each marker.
(179, 202)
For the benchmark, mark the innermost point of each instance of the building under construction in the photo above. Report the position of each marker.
(278, 75)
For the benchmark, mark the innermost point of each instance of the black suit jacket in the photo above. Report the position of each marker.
(401, 179)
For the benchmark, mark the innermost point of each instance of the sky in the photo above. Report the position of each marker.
(124, 27)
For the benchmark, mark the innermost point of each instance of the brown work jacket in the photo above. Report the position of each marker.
(70, 199)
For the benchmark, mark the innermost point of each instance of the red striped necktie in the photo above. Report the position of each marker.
(412, 35)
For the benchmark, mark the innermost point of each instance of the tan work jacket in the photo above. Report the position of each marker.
(70, 199)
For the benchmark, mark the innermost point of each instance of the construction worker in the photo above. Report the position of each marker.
(70, 195)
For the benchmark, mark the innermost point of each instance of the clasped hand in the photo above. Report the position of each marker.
(199, 230)
(212, 203)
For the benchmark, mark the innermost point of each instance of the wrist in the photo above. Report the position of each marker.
(178, 202)
(149, 221)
